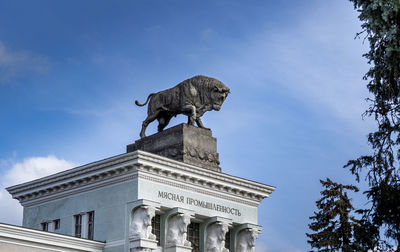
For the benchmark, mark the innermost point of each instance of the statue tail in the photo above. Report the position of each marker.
(148, 98)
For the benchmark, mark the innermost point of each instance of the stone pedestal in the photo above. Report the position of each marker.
(178, 248)
(142, 245)
(185, 143)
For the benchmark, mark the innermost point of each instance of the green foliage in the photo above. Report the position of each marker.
(381, 26)
(333, 225)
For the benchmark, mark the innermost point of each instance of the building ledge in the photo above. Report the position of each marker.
(130, 166)
(32, 238)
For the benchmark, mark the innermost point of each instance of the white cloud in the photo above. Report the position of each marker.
(20, 172)
(261, 247)
(13, 63)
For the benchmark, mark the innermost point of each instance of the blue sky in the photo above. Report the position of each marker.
(70, 71)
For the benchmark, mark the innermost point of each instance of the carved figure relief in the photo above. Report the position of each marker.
(202, 155)
(140, 226)
(192, 97)
(246, 240)
(216, 237)
(177, 230)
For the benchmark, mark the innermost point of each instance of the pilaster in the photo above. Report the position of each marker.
(141, 238)
(174, 224)
(212, 234)
(244, 237)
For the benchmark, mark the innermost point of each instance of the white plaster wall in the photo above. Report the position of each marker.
(109, 204)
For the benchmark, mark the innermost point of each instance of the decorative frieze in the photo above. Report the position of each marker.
(211, 158)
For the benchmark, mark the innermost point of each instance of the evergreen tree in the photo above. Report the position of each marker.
(333, 225)
(381, 27)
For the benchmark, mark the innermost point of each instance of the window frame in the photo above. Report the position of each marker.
(228, 240)
(44, 226)
(156, 228)
(78, 225)
(90, 225)
(83, 225)
(193, 235)
(56, 224)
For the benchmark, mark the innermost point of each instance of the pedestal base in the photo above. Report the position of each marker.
(142, 245)
(178, 248)
(185, 143)
(141, 250)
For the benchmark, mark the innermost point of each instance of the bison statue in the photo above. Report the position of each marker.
(192, 97)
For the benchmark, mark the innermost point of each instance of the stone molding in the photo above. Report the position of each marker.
(128, 167)
(181, 167)
(46, 240)
(212, 158)
(115, 243)
(68, 189)
(142, 245)
(178, 248)
(74, 173)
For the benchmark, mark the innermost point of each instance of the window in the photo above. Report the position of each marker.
(156, 227)
(56, 224)
(193, 234)
(51, 226)
(228, 240)
(78, 225)
(45, 226)
(84, 225)
(90, 217)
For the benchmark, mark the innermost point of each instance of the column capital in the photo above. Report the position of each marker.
(177, 230)
(141, 237)
(174, 223)
(244, 237)
(214, 230)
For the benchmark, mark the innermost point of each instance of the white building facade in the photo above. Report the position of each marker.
(140, 201)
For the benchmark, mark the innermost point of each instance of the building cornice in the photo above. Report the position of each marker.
(136, 164)
(46, 240)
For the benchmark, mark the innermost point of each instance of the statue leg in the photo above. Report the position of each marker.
(163, 122)
(190, 110)
(146, 122)
(200, 123)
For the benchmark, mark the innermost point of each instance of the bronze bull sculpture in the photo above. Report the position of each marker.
(192, 97)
